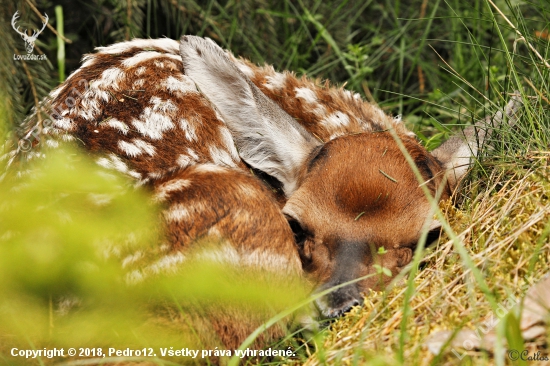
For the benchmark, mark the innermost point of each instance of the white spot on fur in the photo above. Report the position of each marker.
(134, 277)
(52, 143)
(168, 263)
(110, 78)
(88, 60)
(177, 212)
(66, 137)
(307, 95)
(209, 168)
(189, 130)
(98, 93)
(132, 258)
(165, 189)
(92, 95)
(159, 64)
(170, 65)
(140, 57)
(320, 110)
(144, 146)
(186, 160)
(89, 106)
(140, 70)
(183, 161)
(113, 162)
(275, 82)
(106, 163)
(116, 124)
(156, 175)
(64, 123)
(174, 57)
(192, 154)
(183, 85)
(154, 120)
(134, 174)
(35, 154)
(336, 119)
(136, 148)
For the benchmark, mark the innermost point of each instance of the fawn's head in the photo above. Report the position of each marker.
(360, 208)
(354, 203)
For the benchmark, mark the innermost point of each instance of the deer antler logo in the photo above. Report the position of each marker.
(29, 40)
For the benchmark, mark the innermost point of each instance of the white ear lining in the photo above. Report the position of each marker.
(266, 136)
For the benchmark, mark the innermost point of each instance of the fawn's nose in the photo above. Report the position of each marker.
(340, 301)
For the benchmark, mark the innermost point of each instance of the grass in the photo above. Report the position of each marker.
(442, 64)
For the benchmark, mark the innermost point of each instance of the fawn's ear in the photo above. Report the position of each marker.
(267, 138)
(457, 152)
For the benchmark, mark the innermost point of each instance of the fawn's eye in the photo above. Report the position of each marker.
(299, 233)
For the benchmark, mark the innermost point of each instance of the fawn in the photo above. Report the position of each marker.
(191, 122)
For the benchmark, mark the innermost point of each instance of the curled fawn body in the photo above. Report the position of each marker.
(191, 122)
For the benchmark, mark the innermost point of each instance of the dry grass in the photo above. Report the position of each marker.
(500, 228)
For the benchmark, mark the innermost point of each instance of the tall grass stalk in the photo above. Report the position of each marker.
(60, 43)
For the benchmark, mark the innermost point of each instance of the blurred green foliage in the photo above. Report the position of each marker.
(59, 226)
(65, 227)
